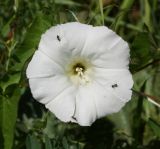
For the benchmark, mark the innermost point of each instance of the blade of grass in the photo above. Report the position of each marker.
(139, 124)
(147, 14)
(101, 10)
(155, 127)
(73, 14)
(125, 6)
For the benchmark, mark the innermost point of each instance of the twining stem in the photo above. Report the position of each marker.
(147, 65)
(153, 98)
(13, 44)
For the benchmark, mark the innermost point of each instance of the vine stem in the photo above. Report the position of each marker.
(152, 99)
(147, 65)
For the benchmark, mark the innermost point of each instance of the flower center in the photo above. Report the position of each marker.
(79, 71)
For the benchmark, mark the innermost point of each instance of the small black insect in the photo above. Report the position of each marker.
(114, 85)
(58, 38)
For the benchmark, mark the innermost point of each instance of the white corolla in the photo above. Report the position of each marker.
(80, 72)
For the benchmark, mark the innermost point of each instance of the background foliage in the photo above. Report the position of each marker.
(26, 124)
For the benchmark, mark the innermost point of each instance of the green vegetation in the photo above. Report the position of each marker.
(24, 123)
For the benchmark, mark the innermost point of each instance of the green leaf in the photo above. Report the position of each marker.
(138, 127)
(8, 80)
(32, 142)
(121, 121)
(8, 114)
(147, 14)
(141, 45)
(155, 85)
(6, 28)
(155, 127)
(140, 51)
(65, 143)
(32, 38)
(26, 49)
(48, 144)
(67, 2)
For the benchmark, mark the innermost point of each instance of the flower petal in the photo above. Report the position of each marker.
(95, 101)
(46, 89)
(105, 100)
(42, 66)
(76, 34)
(85, 108)
(106, 49)
(63, 41)
(118, 80)
(63, 106)
(54, 45)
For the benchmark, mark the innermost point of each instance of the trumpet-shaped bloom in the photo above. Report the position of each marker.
(80, 72)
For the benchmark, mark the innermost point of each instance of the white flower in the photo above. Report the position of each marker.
(80, 72)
